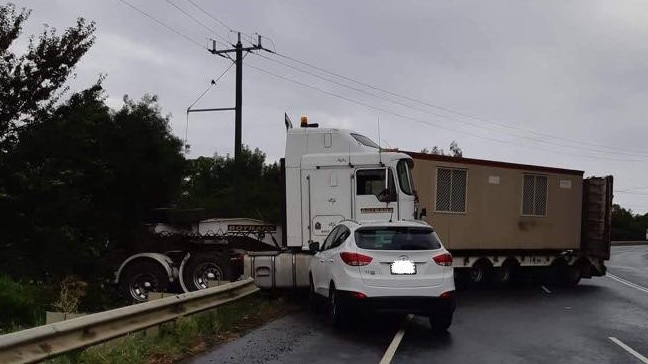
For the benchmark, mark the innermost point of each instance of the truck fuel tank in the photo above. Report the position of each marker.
(274, 269)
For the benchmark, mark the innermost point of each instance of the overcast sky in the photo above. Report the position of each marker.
(555, 83)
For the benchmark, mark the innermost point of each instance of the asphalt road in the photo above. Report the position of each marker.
(531, 324)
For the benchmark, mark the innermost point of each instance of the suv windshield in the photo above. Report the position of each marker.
(397, 238)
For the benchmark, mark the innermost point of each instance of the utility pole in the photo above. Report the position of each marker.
(238, 106)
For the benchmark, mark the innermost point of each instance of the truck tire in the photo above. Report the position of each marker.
(140, 277)
(203, 267)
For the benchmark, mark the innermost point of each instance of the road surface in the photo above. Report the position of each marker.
(603, 320)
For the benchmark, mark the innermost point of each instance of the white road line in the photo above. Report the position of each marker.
(545, 289)
(391, 350)
(627, 283)
(629, 349)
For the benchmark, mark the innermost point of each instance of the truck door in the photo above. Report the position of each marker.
(375, 197)
(326, 201)
(597, 216)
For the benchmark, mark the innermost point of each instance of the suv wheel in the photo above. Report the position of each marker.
(440, 321)
(336, 309)
(313, 299)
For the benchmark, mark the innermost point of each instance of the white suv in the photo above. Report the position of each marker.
(388, 266)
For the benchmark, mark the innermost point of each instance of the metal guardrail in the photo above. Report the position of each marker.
(43, 342)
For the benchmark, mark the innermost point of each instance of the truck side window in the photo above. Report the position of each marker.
(374, 181)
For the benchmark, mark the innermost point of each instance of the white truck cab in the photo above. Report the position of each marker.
(332, 175)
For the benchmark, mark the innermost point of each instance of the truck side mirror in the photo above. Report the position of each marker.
(387, 196)
(313, 246)
(423, 213)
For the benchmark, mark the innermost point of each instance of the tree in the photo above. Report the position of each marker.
(627, 225)
(31, 83)
(209, 184)
(82, 180)
(455, 151)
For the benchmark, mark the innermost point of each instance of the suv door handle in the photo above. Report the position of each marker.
(330, 260)
(321, 260)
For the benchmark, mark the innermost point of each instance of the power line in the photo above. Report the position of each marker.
(448, 109)
(420, 121)
(437, 114)
(196, 20)
(186, 37)
(211, 16)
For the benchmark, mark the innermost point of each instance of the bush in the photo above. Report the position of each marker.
(21, 304)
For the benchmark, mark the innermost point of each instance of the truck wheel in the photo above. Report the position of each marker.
(440, 321)
(141, 277)
(204, 267)
(504, 274)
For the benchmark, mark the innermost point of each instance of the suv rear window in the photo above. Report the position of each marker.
(397, 238)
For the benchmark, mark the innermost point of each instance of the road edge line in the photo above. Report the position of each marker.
(629, 349)
(627, 283)
(393, 346)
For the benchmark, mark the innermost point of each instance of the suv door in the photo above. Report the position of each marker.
(331, 256)
(319, 264)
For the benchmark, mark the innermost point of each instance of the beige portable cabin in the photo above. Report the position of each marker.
(478, 204)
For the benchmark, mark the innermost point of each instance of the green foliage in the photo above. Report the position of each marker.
(79, 182)
(186, 336)
(455, 150)
(21, 304)
(628, 226)
(209, 183)
(32, 82)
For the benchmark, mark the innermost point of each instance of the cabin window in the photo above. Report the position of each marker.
(534, 195)
(451, 190)
(375, 182)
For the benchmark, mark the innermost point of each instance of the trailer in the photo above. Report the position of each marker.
(504, 220)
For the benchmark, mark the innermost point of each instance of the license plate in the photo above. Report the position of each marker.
(403, 267)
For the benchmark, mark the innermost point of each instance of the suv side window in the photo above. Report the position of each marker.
(330, 238)
(341, 237)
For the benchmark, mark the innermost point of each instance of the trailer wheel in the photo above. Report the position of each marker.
(504, 274)
(204, 267)
(478, 272)
(141, 277)
(570, 276)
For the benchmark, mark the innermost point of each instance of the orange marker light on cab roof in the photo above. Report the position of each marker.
(304, 121)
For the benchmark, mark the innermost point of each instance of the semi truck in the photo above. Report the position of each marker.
(331, 174)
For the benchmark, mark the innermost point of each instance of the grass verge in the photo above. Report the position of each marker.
(187, 336)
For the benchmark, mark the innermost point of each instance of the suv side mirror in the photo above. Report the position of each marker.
(313, 246)
(423, 213)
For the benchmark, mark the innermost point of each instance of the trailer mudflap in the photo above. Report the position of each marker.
(597, 217)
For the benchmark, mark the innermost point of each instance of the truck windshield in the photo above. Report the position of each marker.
(404, 176)
(397, 238)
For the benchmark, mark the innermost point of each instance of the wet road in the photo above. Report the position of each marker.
(532, 324)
